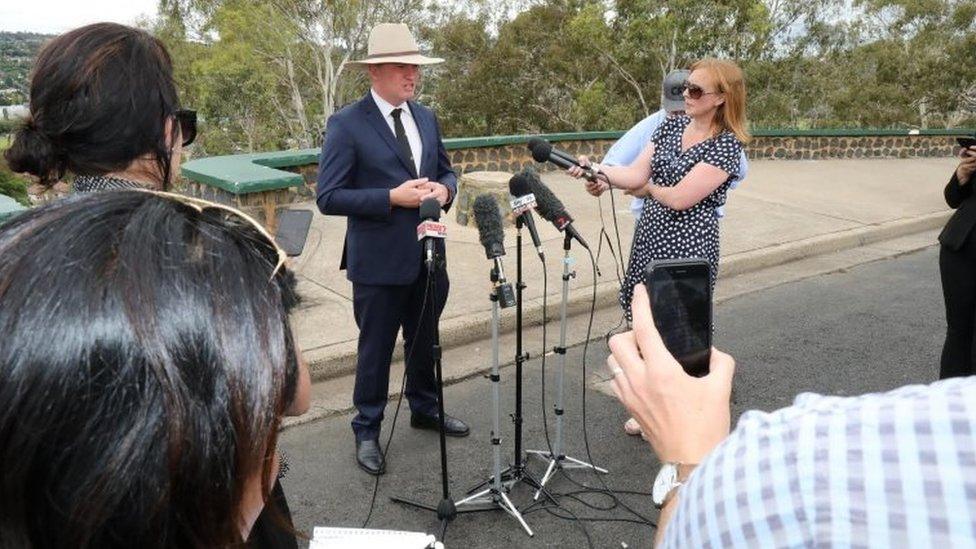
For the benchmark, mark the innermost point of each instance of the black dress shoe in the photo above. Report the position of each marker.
(453, 427)
(369, 457)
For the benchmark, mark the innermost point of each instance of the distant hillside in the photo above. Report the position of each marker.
(17, 52)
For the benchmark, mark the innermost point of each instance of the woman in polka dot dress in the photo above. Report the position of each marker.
(685, 170)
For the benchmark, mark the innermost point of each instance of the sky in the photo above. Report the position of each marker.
(57, 16)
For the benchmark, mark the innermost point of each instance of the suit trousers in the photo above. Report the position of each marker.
(380, 312)
(958, 269)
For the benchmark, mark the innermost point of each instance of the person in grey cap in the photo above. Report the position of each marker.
(626, 149)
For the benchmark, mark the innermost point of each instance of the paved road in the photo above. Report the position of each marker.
(873, 328)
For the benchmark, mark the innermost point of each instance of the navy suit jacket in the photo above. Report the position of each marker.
(359, 164)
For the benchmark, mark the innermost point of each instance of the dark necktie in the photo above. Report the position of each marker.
(401, 136)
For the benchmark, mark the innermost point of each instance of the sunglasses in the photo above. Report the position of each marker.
(695, 91)
(231, 214)
(187, 119)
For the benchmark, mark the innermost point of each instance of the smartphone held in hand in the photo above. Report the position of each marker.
(680, 292)
(966, 142)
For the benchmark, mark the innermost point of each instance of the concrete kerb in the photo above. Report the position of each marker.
(340, 359)
(791, 251)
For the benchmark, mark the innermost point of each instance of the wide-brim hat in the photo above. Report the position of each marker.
(393, 43)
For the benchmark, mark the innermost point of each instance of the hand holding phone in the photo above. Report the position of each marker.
(680, 293)
(967, 166)
(683, 417)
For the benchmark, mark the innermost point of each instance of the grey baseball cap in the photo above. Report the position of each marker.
(672, 88)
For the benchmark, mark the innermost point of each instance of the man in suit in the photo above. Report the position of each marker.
(381, 157)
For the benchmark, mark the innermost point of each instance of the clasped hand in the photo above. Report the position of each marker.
(410, 194)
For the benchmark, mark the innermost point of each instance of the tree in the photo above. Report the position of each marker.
(272, 70)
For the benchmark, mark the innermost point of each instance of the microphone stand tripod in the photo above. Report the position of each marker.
(495, 496)
(516, 472)
(557, 459)
(446, 510)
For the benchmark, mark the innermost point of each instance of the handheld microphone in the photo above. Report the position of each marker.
(489, 221)
(543, 151)
(522, 205)
(430, 228)
(552, 209)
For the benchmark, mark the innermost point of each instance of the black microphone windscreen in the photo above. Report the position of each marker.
(518, 186)
(546, 203)
(488, 218)
(541, 149)
(430, 208)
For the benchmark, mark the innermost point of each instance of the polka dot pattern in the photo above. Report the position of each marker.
(663, 233)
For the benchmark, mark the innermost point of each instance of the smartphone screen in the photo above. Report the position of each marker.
(292, 230)
(681, 301)
(966, 142)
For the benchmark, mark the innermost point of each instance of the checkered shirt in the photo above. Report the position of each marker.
(893, 469)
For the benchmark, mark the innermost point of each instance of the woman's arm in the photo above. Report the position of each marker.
(633, 176)
(700, 182)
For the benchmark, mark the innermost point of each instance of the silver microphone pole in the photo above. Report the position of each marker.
(495, 496)
(557, 459)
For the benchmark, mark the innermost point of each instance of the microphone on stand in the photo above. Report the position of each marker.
(430, 228)
(543, 151)
(552, 209)
(489, 221)
(522, 205)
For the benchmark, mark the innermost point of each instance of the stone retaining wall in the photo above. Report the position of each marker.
(249, 192)
(513, 158)
(263, 206)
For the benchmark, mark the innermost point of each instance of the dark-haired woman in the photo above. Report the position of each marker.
(103, 107)
(146, 363)
(957, 263)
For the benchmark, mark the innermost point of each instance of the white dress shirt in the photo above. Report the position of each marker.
(409, 126)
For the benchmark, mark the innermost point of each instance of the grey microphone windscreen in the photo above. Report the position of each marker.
(488, 219)
(430, 208)
(546, 203)
(518, 186)
(540, 149)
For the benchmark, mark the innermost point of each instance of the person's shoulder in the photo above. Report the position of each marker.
(346, 117)
(674, 124)
(656, 118)
(341, 118)
(915, 400)
(726, 137)
(418, 109)
(726, 143)
(679, 121)
(352, 109)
